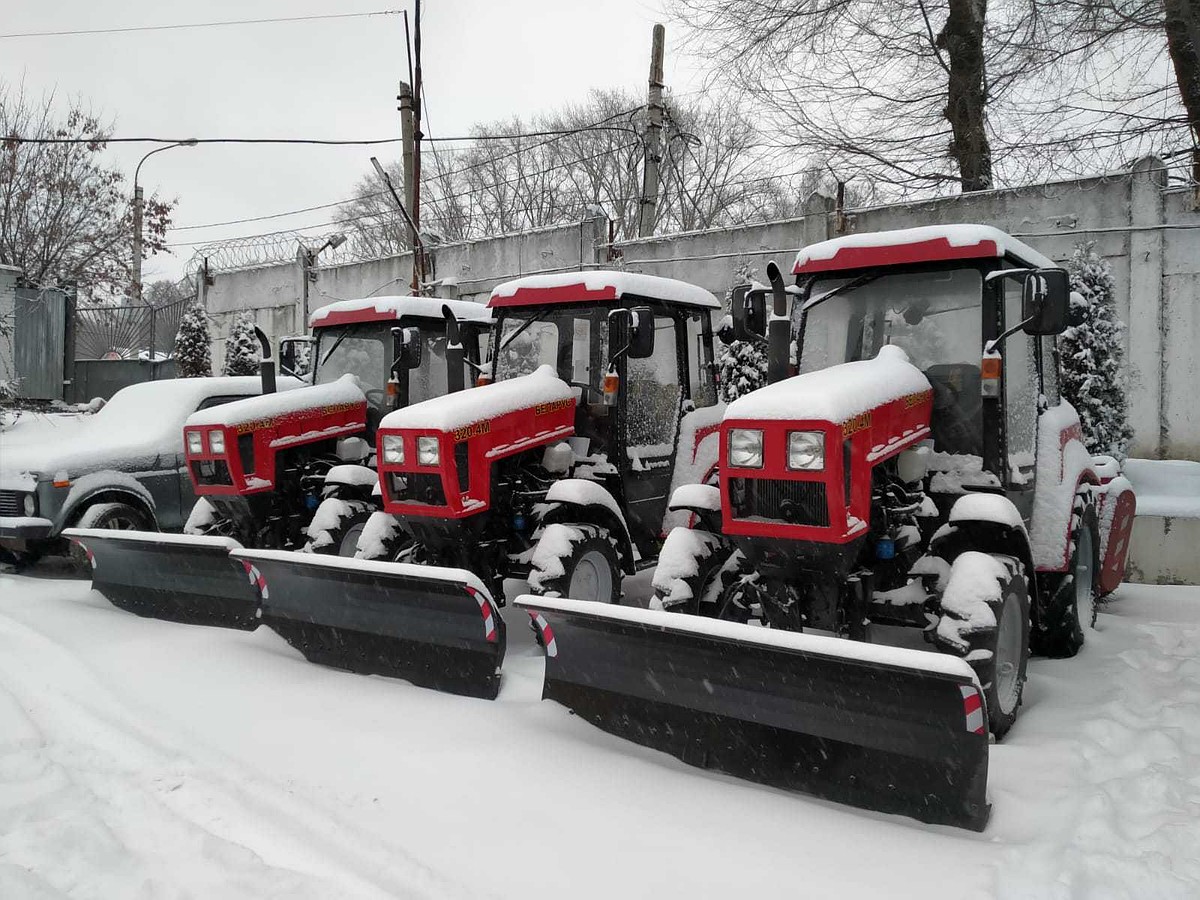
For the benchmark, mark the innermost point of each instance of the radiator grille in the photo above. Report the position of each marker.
(424, 488)
(793, 502)
(211, 471)
(10, 503)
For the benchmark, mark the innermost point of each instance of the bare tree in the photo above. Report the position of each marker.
(588, 155)
(64, 215)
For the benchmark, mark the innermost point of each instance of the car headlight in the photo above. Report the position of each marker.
(427, 451)
(745, 448)
(806, 450)
(30, 505)
(393, 449)
(195, 443)
(216, 442)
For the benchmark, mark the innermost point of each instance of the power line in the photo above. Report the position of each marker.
(280, 215)
(99, 139)
(134, 28)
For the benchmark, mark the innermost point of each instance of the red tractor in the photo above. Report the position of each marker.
(262, 466)
(921, 470)
(600, 393)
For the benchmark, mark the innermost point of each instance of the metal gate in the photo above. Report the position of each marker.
(40, 343)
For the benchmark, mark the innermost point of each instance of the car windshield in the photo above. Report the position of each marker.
(934, 316)
(572, 340)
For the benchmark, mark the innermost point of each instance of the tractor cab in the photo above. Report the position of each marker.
(637, 352)
(941, 294)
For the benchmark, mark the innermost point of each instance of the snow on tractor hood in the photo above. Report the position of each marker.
(346, 390)
(476, 404)
(835, 394)
(139, 429)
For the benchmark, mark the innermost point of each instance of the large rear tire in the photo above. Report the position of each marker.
(998, 653)
(1071, 610)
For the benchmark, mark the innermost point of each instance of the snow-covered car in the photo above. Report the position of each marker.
(121, 467)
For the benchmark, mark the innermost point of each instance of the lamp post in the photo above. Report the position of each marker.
(308, 262)
(137, 214)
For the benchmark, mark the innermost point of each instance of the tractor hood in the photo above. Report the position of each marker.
(456, 411)
(255, 412)
(836, 394)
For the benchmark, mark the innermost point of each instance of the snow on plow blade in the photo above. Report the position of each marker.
(900, 731)
(180, 578)
(432, 626)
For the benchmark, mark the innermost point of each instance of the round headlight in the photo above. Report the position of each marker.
(30, 505)
(393, 449)
(745, 448)
(427, 451)
(216, 441)
(806, 450)
(195, 442)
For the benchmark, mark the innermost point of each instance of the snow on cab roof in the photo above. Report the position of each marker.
(381, 309)
(598, 286)
(930, 243)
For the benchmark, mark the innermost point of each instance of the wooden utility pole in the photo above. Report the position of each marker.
(415, 207)
(654, 110)
(406, 134)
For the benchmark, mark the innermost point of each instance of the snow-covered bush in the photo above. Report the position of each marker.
(193, 350)
(742, 365)
(242, 350)
(1092, 353)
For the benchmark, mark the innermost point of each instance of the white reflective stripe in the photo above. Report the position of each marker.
(973, 709)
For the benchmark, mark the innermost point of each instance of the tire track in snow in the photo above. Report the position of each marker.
(1126, 822)
(96, 802)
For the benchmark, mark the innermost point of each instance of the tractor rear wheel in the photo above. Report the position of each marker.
(1071, 609)
(576, 561)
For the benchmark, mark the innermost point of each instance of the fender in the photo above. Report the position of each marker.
(989, 523)
(116, 490)
(576, 500)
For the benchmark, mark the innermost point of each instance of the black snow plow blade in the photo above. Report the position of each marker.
(180, 578)
(900, 731)
(434, 627)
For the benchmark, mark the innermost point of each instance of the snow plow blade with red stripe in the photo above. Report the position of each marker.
(882, 728)
(432, 626)
(179, 578)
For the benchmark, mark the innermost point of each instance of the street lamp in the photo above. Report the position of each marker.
(308, 262)
(137, 214)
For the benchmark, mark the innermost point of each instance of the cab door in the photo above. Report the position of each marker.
(653, 391)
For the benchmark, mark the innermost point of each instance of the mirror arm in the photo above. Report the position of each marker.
(996, 342)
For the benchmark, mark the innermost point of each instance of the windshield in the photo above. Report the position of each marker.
(572, 340)
(361, 350)
(934, 316)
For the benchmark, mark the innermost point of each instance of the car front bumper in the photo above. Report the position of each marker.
(24, 528)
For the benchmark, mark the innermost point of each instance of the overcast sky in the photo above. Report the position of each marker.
(483, 60)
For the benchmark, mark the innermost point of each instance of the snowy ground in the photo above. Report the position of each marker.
(143, 759)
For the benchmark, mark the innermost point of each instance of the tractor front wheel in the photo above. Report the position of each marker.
(576, 561)
(337, 526)
(996, 646)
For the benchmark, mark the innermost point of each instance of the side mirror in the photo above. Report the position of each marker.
(641, 332)
(749, 308)
(407, 347)
(1045, 301)
(295, 355)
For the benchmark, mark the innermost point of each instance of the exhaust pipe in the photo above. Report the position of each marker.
(455, 378)
(779, 328)
(266, 368)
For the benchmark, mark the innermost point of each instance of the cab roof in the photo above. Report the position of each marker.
(382, 309)
(932, 243)
(599, 286)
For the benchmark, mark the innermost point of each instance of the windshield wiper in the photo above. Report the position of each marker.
(512, 337)
(840, 289)
(336, 343)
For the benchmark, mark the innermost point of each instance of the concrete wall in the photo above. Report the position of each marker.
(8, 321)
(1138, 224)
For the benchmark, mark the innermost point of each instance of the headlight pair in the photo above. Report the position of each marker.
(806, 449)
(216, 442)
(428, 451)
